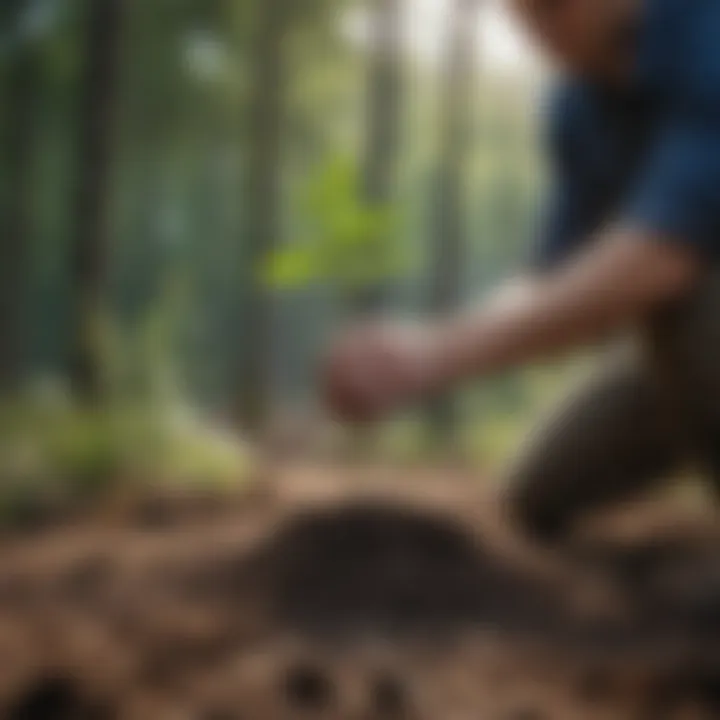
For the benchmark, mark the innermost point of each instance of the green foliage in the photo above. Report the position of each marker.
(55, 452)
(143, 360)
(349, 243)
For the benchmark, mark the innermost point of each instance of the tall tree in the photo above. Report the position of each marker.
(96, 126)
(449, 188)
(20, 81)
(262, 201)
(384, 106)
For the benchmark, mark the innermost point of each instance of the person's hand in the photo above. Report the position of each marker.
(373, 370)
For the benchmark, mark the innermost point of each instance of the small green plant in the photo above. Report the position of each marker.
(346, 242)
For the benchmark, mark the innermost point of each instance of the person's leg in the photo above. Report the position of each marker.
(631, 426)
(683, 353)
(610, 439)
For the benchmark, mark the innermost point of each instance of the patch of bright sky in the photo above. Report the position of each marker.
(502, 47)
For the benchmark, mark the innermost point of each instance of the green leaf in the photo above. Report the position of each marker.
(291, 267)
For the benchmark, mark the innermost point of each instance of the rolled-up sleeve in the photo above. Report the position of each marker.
(677, 195)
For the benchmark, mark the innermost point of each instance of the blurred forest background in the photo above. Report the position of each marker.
(195, 193)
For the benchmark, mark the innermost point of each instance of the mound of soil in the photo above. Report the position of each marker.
(388, 570)
(351, 609)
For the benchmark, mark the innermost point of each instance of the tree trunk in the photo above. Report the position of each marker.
(262, 204)
(449, 230)
(96, 126)
(21, 80)
(384, 105)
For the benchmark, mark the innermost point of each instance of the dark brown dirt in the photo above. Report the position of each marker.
(391, 571)
(310, 601)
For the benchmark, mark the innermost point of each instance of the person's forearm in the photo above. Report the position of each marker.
(614, 284)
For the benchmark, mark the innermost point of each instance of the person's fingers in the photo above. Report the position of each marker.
(373, 370)
(348, 382)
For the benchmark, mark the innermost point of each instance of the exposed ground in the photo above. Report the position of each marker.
(332, 594)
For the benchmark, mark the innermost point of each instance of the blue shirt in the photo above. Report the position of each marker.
(648, 158)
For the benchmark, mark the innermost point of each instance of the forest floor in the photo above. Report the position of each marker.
(331, 593)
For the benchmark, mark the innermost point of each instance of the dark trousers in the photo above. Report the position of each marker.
(644, 416)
